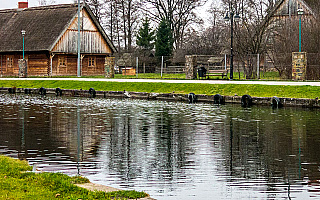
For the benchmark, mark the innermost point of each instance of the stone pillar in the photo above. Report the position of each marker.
(109, 67)
(23, 68)
(299, 66)
(191, 67)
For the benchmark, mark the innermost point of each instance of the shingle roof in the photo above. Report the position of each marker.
(43, 25)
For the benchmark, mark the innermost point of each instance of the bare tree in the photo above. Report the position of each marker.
(252, 31)
(121, 20)
(285, 40)
(97, 7)
(179, 14)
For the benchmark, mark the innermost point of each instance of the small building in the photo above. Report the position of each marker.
(51, 41)
(288, 10)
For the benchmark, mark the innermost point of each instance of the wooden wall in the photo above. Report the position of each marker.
(92, 40)
(69, 70)
(71, 65)
(98, 69)
(289, 8)
(37, 64)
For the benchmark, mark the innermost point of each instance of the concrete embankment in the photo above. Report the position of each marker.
(103, 188)
(246, 99)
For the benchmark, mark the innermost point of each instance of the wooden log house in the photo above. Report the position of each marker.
(51, 41)
(288, 10)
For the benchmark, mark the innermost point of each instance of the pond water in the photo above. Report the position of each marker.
(167, 149)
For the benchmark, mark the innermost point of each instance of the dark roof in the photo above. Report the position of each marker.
(43, 25)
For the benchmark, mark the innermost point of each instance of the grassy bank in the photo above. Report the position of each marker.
(236, 76)
(16, 183)
(199, 88)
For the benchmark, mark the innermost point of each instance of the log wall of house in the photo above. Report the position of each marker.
(8, 66)
(37, 64)
(97, 69)
(70, 67)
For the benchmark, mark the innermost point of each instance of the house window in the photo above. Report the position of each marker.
(62, 61)
(92, 62)
(9, 61)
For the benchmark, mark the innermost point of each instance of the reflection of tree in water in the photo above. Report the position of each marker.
(171, 144)
(148, 143)
(164, 143)
(266, 144)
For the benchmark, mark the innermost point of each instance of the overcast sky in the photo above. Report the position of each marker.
(9, 4)
(5, 4)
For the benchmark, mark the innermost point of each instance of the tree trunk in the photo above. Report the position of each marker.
(124, 25)
(129, 26)
(111, 22)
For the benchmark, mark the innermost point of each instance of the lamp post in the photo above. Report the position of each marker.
(79, 43)
(233, 17)
(23, 32)
(300, 13)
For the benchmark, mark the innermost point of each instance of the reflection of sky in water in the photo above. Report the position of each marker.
(170, 150)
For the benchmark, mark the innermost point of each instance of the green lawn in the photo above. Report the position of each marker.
(182, 88)
(16, 183)
(263, 76)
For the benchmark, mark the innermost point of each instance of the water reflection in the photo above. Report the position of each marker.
(170, 150)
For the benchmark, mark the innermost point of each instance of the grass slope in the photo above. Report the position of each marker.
(182, 76)
(199, 88)
(16, 183)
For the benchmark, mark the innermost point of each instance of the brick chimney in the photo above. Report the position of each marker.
(22, 4)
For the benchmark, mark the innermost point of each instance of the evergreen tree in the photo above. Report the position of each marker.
(164, 40)
(145, 36)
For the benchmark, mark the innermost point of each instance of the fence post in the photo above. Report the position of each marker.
(1, 66)
(137, 64)
(225, 61)
(258, 66)
(161, 65)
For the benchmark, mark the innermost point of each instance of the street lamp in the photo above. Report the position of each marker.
(233, 17)
(23, 32)
(300, 13)
(79, 42)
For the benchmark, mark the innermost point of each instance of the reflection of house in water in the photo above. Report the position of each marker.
(50, 132)
(65, 125)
